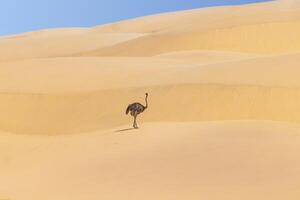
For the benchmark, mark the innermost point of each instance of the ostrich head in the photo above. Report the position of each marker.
(146, 94)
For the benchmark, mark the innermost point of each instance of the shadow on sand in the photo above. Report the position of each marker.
(124, 130)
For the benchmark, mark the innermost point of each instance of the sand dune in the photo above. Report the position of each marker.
(67, 75)
(210, 18)
(57, 43)
(212, 160)
(265, 28)
(205, 57)
(49, 93)
(223, 117)
(56, 114)
(267, 38)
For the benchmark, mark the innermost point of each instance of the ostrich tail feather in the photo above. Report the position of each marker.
(127, 110)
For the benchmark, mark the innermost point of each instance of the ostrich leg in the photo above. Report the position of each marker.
(135, 124)
(134, 121)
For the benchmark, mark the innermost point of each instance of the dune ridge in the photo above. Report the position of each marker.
(56, 75)
(267, 38)
(49, 43)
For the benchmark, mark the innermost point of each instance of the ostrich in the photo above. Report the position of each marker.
(135, 109)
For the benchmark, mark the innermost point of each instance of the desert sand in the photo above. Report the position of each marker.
(223, 117)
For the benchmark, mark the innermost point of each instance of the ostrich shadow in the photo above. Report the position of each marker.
(125, 130)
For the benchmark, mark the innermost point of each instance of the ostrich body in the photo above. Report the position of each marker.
(135, 109)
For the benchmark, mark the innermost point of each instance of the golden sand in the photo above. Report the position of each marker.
(222, 123)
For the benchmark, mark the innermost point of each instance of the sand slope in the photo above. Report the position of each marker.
(266, 28)
(269, 38)
(213, 160)
(57, 43)
(223, 117)
(49, 93)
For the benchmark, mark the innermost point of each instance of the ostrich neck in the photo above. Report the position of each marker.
(146, 100)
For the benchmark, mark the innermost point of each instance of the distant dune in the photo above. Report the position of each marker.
(222, 123)
(57, 43)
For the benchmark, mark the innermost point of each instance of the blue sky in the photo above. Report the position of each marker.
(18, 16)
